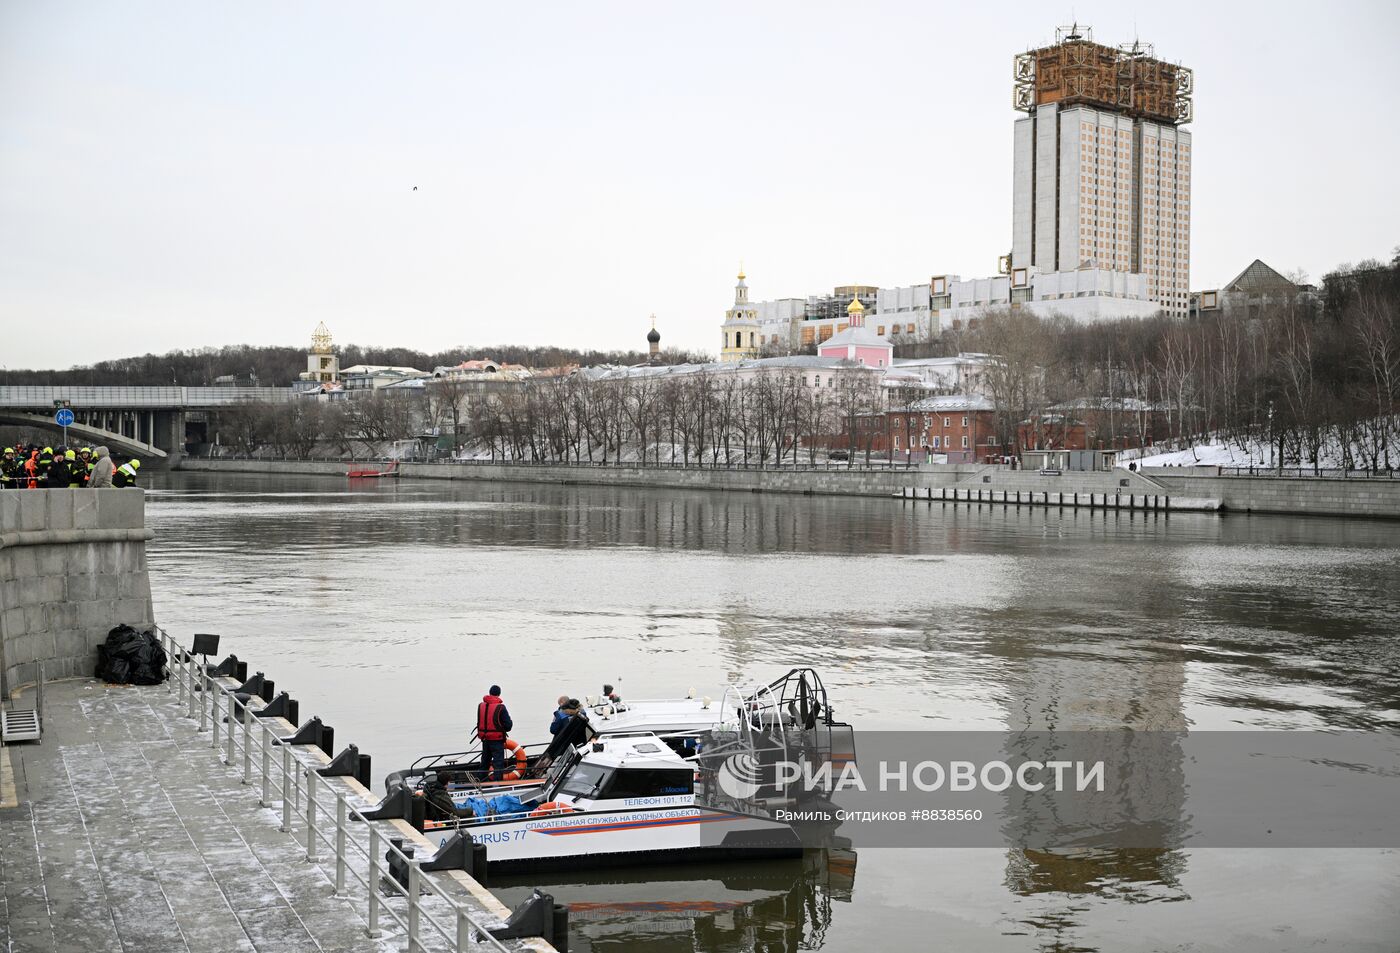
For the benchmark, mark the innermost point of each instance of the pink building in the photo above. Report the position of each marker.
(857, 342)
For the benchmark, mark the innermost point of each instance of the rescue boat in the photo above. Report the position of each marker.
(644, 782)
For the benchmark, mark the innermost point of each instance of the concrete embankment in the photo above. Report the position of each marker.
(1374, 499)
(72, 566)
(836, 481)
(1296, 496)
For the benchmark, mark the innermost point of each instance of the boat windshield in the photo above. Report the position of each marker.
(585, 780)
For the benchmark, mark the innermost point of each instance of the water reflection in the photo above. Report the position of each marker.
(775, 907)
(413, 597)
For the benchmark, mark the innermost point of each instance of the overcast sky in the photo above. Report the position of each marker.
(180, 175)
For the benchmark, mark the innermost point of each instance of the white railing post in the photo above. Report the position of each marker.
(310, 814)
(189, 683)
(339, 845)
(231, 720)
(213, 712)
(373, 878)
(247, 743)
(413, 906)
(464, 929)
(286, 788)
(264, 733)
(166, 644)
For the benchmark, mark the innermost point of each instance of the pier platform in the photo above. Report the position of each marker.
(126, 831)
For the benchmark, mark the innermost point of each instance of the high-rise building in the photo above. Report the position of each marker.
(1102, 166)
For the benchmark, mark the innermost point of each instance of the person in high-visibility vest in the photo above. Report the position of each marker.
(10, 469)
(85, 462)
(31, 471)
(77, 470)
(126, 473)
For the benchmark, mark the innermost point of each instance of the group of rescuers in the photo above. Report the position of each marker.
(38, 468)
(493, 724)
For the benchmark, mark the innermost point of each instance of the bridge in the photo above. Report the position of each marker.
(151, 422)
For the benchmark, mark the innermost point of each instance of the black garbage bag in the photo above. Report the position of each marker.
(131, 657)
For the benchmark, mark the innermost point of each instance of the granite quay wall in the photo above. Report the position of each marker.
(1372, 499)
(838, 480)
(72, 566)
(1377, 498)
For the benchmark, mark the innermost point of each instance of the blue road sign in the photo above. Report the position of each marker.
(64, 418)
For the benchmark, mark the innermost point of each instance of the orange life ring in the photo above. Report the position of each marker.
(518, 750)
(552, 807)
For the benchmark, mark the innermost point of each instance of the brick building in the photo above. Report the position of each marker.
(960, 426)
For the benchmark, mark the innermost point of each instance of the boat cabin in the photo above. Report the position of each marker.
(641, 770)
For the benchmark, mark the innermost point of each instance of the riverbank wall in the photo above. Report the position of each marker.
(1296, 496)
(72, 566)
(967, 479)
(836, 481)
(1182, 489)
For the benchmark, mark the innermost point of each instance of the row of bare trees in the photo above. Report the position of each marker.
(300, 428)
(1302, 371)
(770, 417)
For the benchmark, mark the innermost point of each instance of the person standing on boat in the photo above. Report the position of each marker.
(492, 724)
(560, 718)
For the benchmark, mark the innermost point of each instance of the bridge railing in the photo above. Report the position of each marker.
(81, 397)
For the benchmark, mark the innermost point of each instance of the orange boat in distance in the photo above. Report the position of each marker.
(391, 471)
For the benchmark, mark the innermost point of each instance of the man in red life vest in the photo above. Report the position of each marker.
(492, 724)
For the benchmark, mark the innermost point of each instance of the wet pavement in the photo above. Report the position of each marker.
(132, 835)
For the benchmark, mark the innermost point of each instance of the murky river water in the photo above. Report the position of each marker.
(390, 608)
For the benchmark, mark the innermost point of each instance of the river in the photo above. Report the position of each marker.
(389, 608)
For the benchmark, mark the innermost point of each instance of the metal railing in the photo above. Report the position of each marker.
(1307, 473)
(302, 792)
(135, 396)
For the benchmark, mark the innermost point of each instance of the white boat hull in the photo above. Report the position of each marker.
(628, 837)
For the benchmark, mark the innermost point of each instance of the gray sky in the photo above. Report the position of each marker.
(179, 175)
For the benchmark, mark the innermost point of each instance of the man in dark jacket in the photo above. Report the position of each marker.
(492, 724)
(568, 708)
(57, 474)
(440, 805)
